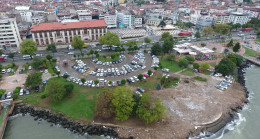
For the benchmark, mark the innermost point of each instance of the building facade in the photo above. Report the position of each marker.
(221, 18)
(84, 15)
(111, 21)
(204, 21)
(236, 17)
(125, 19)
(138, 22)
(9, 34)
(63, 33)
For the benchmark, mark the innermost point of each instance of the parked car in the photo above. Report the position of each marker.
(140, 89)
(9, 95)
(30, 67)
(27, 92)
(21, 92)
(44, 81)
(36, 89)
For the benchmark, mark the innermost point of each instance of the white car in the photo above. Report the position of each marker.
(9, 95)
(70, 53)
(218, 75)
(21, 92)
(30, 67)
(46, 71)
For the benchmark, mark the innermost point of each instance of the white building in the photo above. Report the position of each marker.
(111, 21)
(221, 18)
(236, 17)
(38, 19)
(84, 15)
(25, 13)
(124, 18)
(138, 22)
(9, 34)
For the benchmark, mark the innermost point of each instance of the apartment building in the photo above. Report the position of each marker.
(236, 17)
(221, 18)
(9, 34)
(63, 33)
(84, 15)
(138, 22)
(110, 21)
(124, 18)
(25, 13)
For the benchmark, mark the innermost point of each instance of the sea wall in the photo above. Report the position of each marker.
(74, 127)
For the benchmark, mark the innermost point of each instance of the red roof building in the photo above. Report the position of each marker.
(47, 33)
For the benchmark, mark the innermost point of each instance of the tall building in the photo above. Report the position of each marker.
(9, 34)
(124, 18)
(63, 33)
(25, 13)
(236, 17)
(221, 18)
(84, 15)
(110, 21)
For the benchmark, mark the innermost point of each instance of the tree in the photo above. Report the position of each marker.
(208, 31)
(49, 57)
(109, 39)
(52, 47)
(123, 81)
(196, 66)
(197, 34)
(183, 63)
(222, 29)
(166, 36)
(33, 80)
(225, 67)
(37, 63)
(140, 77)
(171, 57)
(204, 66)
(156, 49)
(123, 102)
(83, 80)
(123, 49)
(237, 47)
(11, 55)
(69, 87)
(96, 82)
(162, 24)
(203, 44)
(104, 106)
(113, 56)
(150, 110)
(167, 45)
(147, 40)
(230, 43)
(190, 59)
(28, 47)
(110, 82)
(88, 53)
(57, 73)
(149, 72)
(97, 55)
(91, 52)
(77, 43)
(55, 90)
(131, 43)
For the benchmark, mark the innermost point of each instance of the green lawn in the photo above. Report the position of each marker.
(188, 72)
(172, 65)
(250, 52)
(107, 59)
(258, 40)
(26, 68)
(173, 81)
(79, 105)
(2, 115)
(149, 83)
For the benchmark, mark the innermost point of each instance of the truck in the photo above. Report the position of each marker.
(185, 34)
(247, 29)
(2, 59)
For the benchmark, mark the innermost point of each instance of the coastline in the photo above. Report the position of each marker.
(76, 127)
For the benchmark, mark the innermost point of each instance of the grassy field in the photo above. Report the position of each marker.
(101, 58)
(188, 72)
(2, 116)
(79, 105)
(172, 65)
(200, 79)
(250, 52)
(149, 83)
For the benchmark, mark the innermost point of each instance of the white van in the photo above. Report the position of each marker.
(26, 57)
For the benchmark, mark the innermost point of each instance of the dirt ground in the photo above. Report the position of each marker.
(189, 105)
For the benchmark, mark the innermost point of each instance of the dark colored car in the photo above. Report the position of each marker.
(140, 89)
(118, 83)
(36, 89)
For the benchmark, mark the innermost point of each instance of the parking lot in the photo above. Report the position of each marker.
(92, 66)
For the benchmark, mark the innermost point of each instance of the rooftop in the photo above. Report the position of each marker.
(70, 25)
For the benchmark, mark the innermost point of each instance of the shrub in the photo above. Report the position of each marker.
(200, 79)
(54, 60)
(190, 59)
(196, 66)
(43, 96)
(186, 81)
(123, 81)
(15, 96)
(155, 68)
(83, 80)
(65, 76)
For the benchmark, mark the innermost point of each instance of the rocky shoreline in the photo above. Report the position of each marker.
(59, 119)
(233, 113)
